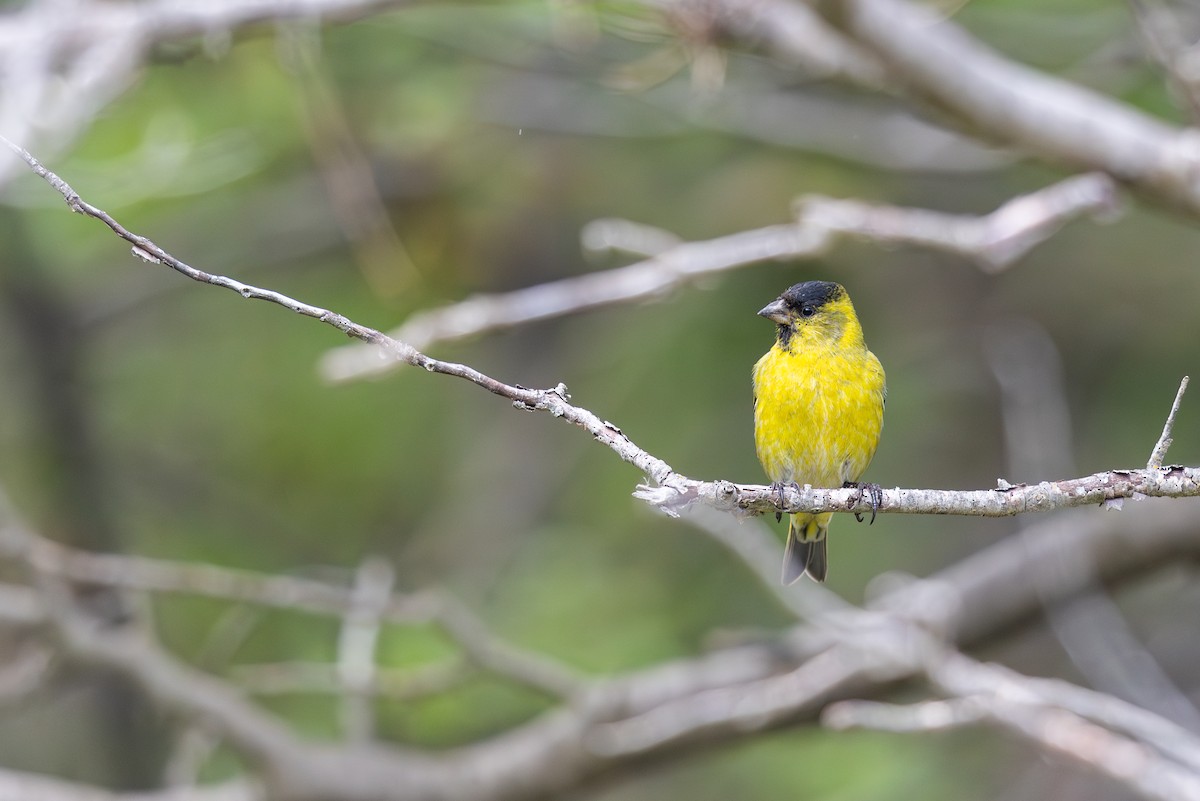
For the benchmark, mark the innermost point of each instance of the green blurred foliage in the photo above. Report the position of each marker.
(214, 439)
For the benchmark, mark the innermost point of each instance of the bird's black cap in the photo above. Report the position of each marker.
(816, 293)
(801, 300)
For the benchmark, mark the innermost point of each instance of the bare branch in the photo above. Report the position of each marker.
(1055, 729)
(176, 687)
(1171, 739)
(923, 716)
(162, 20)
(1085, 725)
(1164, 441)
(1111, 487)
(158, 575)
(726, 695)
(552, 400)
(1014, 104)
(994, 241)
(612, 234)
(969, 594)
(133, 572)
(480, 646)
(322, 678)
(34, 787)
(1099, 749)
(1054, 714)
(644, 280)
(58, 69)
(1091, 627)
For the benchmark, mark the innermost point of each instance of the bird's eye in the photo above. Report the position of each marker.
(807, 310)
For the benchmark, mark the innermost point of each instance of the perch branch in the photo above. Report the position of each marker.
(1110, 487)
(670, 490)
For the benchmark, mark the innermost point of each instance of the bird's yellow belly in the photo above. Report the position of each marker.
(817, 415)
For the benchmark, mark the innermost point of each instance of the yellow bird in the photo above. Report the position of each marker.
(818, 409)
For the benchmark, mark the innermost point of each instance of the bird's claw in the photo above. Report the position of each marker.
(779, 487)
(865, 490)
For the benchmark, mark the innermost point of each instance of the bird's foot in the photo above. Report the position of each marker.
(866, 490)
(778, 487)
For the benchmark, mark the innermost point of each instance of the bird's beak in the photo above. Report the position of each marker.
(775, 310)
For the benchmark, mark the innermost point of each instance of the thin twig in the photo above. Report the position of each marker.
(644, 280)
(1164, 441)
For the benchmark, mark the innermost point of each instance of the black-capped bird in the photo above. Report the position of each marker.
(818, 408)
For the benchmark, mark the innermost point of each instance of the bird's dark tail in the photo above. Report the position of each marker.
(806, 548)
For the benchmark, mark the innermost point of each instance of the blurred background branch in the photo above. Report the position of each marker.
(731, 693)
(994, 241)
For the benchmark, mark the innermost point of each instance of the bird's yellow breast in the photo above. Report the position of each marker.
(818, 411)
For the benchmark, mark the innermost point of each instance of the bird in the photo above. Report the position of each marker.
(819, 396)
